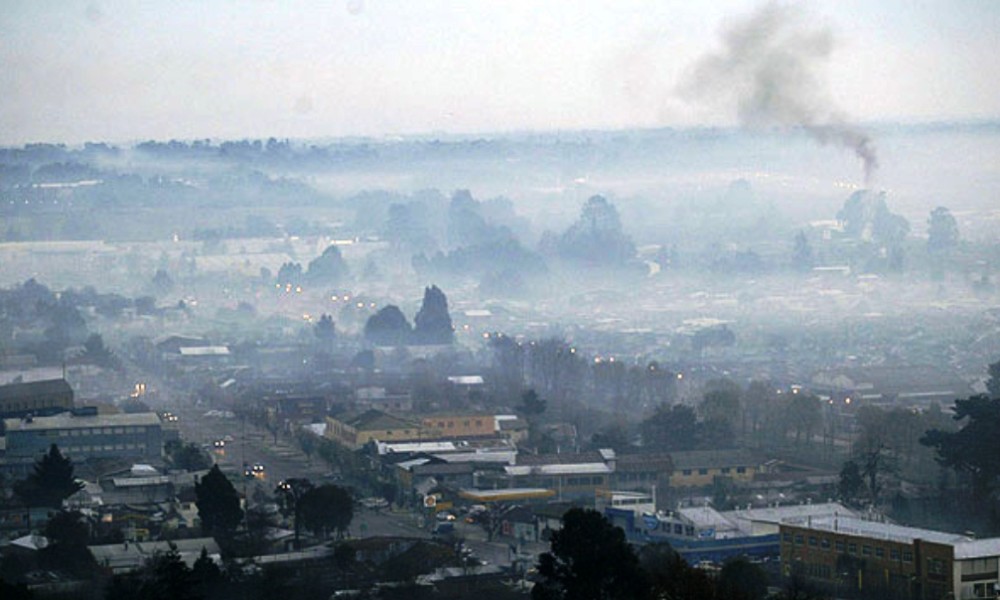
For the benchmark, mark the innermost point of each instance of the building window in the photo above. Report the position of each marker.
(894, 553)
(935, 568)
(866, 550)
(852, 548)
(479, 422)
(598, 481)
(812, 540)
(678, 528)
(686, 471)
(703, 471)
(824, 543)
(838, 546)
(907, 556)
(741, 469)
(465, 423)
(879, 552)
(799, 539)
(786, 537)
(725, 470)
(984, 590)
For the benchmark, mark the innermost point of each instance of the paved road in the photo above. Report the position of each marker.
(250, 445)
(283, 460)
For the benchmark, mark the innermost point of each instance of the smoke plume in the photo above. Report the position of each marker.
(770, 71)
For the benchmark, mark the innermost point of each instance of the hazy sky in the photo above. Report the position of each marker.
(120, 71)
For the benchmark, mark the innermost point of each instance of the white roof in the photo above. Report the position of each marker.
(131, 555)
(127, 482)
(393, 447)
(791, 512)
(480, 456)
(204, 351)
(31, 542)
(407, 465)
(705, 516)
(977, 549)
(466, 379)
(570, 469)
(318, 429)
(884, 531)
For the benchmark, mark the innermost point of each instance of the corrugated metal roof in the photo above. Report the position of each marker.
(67, 420)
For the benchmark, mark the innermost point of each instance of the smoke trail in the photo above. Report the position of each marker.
(769, 70)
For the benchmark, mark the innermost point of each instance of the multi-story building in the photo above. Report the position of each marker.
(84, 436)
(452, 426)
(700, 468)
(36, 398)
(850, 555)
(354, 431)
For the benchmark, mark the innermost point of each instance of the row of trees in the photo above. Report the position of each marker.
(432, 324)
(320, 509)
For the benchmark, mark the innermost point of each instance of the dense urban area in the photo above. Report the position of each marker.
(220, 381)
(678, 330)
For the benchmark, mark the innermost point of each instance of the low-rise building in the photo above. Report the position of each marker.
(128, 556)
(699, 468)
(571, 476)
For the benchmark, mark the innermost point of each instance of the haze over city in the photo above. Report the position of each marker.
(563, 300)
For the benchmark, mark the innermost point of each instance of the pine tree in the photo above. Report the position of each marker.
(218, 504)
(433, 323)
(51, 482)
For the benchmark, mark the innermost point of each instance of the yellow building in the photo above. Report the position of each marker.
(457, 426)
(701, 467)
(357, 430)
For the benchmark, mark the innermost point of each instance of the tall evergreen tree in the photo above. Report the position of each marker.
(218, 504)
(589, 560)
(974, 448)
(433, 323)
(51, 482)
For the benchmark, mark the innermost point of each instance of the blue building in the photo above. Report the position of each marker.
(84, 436)
(700, 533)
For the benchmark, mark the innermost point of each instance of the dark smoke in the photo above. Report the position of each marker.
(770, 70)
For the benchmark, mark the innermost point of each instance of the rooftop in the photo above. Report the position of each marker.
(598, 468)
(376, 420)
(697, 459)
(35, 388)
(67, 420)
(884, 531)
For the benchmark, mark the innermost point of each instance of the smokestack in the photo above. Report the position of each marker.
(769, 72)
